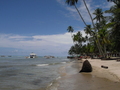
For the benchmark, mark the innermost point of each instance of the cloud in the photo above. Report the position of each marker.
(108, 5)
(38, 43)
(74, 13)
(61, 2)
(18, 37)
(81, 7)
(42, 44)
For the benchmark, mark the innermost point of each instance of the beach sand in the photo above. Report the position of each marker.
(98, 79)
(112, 73)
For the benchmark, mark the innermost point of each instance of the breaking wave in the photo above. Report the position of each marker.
(42, 64)
(50, 64)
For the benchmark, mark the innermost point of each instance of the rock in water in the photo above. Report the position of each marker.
(86, 67)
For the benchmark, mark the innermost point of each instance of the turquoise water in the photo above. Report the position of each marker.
(20, 73)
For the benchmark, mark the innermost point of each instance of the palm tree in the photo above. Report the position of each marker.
(70, 29)
(78, 38)
(73, 3)
(97, 39)
(71, 51)
(100, 24)
(88, 30)
(99, 15)
(103, 33)
(115, 24)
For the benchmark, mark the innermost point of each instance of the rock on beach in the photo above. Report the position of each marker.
(86, 67)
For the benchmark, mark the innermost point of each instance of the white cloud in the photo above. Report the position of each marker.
(18, 37)
(108, 5)
(54, 44)
(61, 2)
(91, 4)
(81, 7)
(60, 38)
(44, 43)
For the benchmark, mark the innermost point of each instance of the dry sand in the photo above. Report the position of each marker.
(112, 73)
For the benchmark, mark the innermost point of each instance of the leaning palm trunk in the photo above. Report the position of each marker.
(86, 25)
(98, 42)
(105, 50)
(80, 15)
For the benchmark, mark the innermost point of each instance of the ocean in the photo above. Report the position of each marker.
(59, 73)
(20, 73)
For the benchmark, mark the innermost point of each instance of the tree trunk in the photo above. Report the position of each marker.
(105, 50)
(80, 15)
(98, 42)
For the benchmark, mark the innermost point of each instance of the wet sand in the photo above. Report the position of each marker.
(71, 79)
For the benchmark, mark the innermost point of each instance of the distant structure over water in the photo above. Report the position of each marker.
(47, 57)
(33, 55)
(2, 56)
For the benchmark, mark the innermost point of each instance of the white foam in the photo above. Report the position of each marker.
(50, 84)
(63, 62)
(58, 78)
(42, 64)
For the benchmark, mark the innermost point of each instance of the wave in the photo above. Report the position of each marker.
(58, 78)
(51, 64)
(63, 62)
(54, 84)
(42, 64)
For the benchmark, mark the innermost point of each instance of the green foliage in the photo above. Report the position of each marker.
(106, 32)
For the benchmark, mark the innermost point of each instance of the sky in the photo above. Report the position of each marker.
(40, 26)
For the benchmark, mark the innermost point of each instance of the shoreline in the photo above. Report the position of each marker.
(98, 79)
(112, 73)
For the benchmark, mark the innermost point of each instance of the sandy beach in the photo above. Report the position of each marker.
(112, 73)
(98, 79)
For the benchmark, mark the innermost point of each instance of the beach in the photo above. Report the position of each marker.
(112, 73)
(98, 79)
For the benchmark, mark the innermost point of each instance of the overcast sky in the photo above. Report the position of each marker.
(40, 26)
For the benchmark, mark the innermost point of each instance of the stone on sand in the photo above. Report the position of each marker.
(86, 67)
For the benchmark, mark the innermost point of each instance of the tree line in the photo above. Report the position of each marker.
(102, 35)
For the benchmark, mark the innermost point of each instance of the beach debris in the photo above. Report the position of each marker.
(86, 67)
(102, 66)
(118, 60)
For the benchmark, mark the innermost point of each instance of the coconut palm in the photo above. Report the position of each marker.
(78, 38)
(71, 51)
(88, 30)
(73, 3)
(95, 31)
(115, 24)
(99, 15)
(70, 29)
(104, 38)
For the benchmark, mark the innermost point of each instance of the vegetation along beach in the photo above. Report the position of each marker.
(60, 45)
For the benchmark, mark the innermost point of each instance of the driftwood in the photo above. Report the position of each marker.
(118, 60)
(106, 67)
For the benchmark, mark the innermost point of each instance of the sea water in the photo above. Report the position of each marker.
(20, 73)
